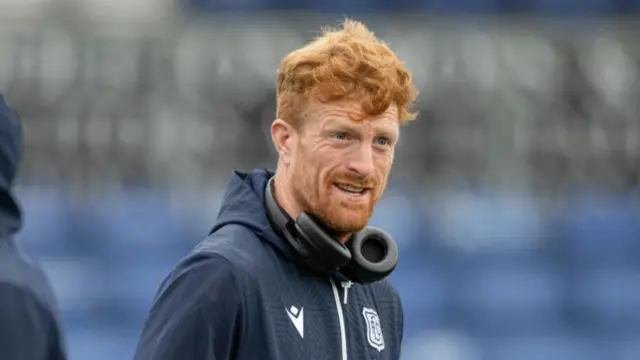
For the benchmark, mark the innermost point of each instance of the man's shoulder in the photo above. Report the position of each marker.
(234, 244)
(232, 254)
(201, 274)
(203, 297)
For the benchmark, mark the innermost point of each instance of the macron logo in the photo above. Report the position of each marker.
(297, 318)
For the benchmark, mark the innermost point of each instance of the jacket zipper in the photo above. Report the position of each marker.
(346, 285)
(343, 333)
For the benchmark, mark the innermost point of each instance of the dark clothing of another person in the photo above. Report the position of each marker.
(29, 327)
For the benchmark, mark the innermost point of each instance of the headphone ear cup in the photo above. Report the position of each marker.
(330, 254)
(374, 256)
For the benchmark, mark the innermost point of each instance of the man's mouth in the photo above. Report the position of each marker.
(352, 189)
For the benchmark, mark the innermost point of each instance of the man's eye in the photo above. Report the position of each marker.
(341, 136)
(383, 141)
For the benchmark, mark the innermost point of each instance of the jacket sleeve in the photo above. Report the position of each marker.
(197, 314)
(28, 329)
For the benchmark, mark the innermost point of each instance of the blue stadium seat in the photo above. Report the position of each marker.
(461, 6)
(88, 233)
(418, 278)
(133, 286)
(574, 7)
(46, 218)
(441, 344)
(93, 341)
(546, 348)
(333, 6)
(399, 215)
(77, 283)
(610, 297)
(425, 297)
(142, 224)
(602, 231)
(629, 6)
(347, 7)
(199, 217)
(212, 6)
(486, 222)
(402, 217)
(86, 346)
(625, 349)
(509, 297)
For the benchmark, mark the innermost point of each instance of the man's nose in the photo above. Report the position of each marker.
(360, 161)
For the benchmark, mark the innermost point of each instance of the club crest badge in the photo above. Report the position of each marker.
(374, 331)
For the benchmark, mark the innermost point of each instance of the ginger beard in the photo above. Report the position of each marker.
(316, 194)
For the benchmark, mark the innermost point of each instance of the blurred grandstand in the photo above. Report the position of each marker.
(514, 198)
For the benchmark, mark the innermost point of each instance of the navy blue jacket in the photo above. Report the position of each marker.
(29, 327)
(243, 294)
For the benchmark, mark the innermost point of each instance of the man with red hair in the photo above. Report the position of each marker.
(290, 269)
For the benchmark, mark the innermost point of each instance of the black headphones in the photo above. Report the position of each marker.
(368, 256)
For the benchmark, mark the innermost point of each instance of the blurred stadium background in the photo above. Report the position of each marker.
(514, 197)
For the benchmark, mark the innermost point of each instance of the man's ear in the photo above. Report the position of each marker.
(282, 135)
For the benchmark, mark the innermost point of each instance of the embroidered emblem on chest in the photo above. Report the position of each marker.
(374, 330)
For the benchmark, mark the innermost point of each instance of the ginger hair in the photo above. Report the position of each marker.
(344, 63)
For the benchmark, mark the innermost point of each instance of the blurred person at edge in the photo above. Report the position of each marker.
(29, 324)
(266, 286)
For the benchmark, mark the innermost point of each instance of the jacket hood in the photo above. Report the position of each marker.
(243, 204)
(10, 156)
